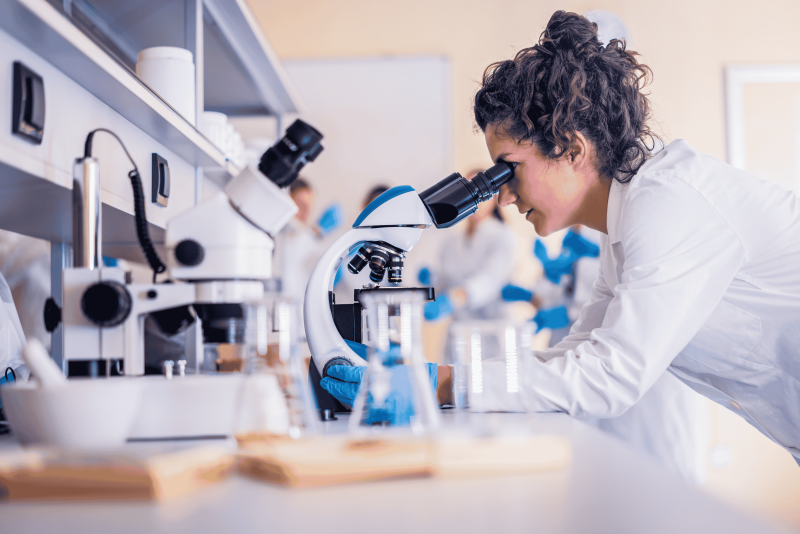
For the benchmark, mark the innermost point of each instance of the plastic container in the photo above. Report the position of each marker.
(169, 71)
(79, 414)
(214, 126)
(490, 360)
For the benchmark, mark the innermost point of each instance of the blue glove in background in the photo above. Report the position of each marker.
(330, 220)
(581, 246)
(109, 261)
(552, 318)
(424, 276)
(512, 293)
(343, 382)
(440, 308)
(556, 268)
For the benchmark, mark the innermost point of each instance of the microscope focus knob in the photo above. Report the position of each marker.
(189, 253)
(106, 303)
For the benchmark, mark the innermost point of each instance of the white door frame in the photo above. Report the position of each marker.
(735, 78)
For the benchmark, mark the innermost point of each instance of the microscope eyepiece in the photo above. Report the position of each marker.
(456, 198)
(282, 162)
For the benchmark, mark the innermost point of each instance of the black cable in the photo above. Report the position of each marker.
(13, 374)
(138, 205)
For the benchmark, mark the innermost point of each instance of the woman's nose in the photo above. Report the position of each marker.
(506, 196)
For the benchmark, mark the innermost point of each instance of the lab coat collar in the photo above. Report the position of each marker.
(615, 197)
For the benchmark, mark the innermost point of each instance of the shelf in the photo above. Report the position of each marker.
(44, 30)
(232, 30)
(222, 174)
(241, 73)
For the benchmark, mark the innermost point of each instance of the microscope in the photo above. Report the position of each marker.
(388, 228)
(219, 255)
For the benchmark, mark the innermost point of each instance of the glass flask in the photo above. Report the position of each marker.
(397, 386)
(490, 359)
(276, 397)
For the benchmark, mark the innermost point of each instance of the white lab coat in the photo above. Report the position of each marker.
(25, 264)
(297, 250)
(670, 422)
(700, 275)
(481, 265)
(12, 338)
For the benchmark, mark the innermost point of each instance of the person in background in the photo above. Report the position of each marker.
(572, 271)
(473, 267)
(298, 246)
(25, 263)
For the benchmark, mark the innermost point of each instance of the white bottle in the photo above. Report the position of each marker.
(169, 71)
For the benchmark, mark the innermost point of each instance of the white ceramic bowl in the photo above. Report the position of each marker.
(81, 414)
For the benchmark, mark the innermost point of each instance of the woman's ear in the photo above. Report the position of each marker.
(579, 150)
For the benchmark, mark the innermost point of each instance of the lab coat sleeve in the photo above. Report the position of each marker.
(484, 286)
(591, 317)
(676, 257)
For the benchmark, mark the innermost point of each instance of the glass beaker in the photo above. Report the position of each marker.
(490, 359)
(276, 397)
(397, 389)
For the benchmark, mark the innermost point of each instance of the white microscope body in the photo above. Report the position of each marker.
(230, 247)
(219, 252)
(391, 225)
(397, 218)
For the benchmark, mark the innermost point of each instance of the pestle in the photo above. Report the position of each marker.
(41, 365)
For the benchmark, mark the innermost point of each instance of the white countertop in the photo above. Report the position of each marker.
(606, 488)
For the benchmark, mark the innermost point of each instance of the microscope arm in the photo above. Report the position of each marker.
(324, 340)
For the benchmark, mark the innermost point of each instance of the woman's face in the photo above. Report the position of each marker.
(548, 192)
(303, 197)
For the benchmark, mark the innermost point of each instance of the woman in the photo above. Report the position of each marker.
(699, 261)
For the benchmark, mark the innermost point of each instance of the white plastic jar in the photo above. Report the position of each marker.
(214, 126)
(169, 71)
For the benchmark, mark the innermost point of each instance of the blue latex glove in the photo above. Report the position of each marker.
(440, 308)
(424, 276)
(330, 220)
(581, 246)
(109, 262)
(552, 318)
(512, 293)
(343, 382)
(554, 269)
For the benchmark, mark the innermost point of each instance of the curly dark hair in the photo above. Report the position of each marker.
(569, 82)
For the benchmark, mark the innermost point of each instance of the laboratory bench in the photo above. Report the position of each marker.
(606, 487)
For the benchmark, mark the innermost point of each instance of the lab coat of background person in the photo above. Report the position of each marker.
(698, 267)
(299, 244)
(25, 263)
(474, 265)
(669, 423)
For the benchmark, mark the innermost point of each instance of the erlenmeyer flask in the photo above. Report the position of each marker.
(398, 387)
(275, 397)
